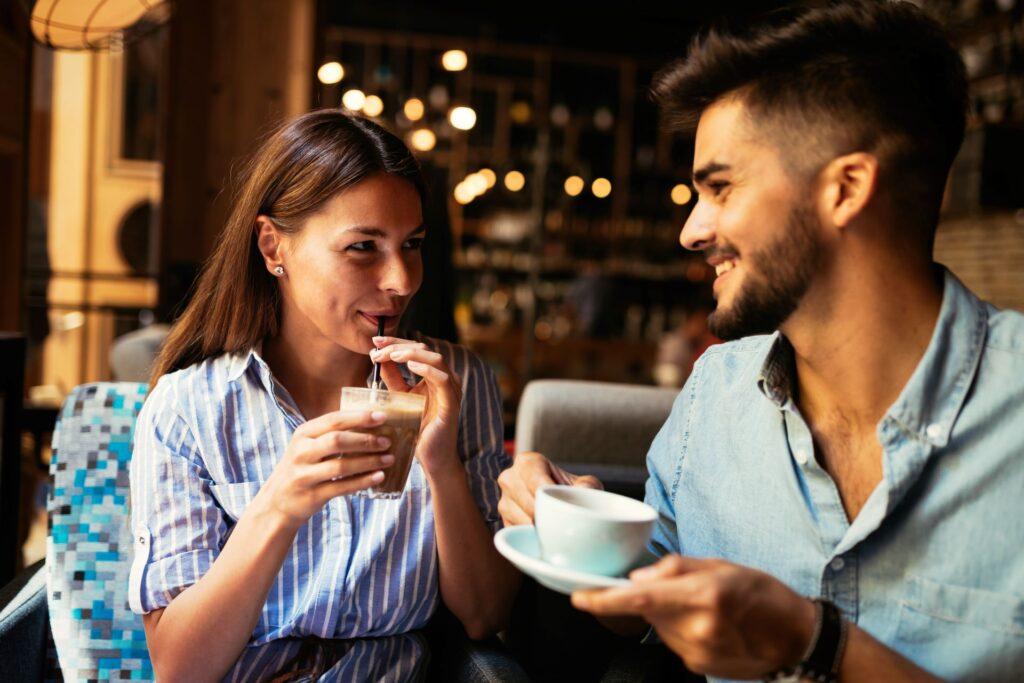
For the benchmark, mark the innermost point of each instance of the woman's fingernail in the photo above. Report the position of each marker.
(387, 460)
(378, 340)
(383, 442)
(415, 365)
(378, 415)
(377, 477)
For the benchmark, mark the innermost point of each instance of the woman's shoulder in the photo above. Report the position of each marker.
(204, 382)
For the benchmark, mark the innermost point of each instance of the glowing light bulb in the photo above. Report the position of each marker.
(515, 181)
(489, 176)
(476, 183)
(330, 73)
(454, 60)
(353, 99)
(464, 193)
(463, 118)
(423, 139)
(373, 106)
(413, 109)
(574, 185)
(601, 187)
(681, 194)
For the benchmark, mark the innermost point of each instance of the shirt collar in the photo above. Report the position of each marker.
(931, 400)
(933, 397)
(776, 376)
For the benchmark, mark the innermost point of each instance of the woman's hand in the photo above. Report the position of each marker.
(326, 459)
(440, 432)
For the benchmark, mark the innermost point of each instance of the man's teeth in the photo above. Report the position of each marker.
(724, 267)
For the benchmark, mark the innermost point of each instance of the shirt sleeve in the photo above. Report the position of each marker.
(664, 463)
(178, 528)
(481, 442)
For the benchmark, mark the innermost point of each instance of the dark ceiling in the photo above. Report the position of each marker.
(647, 30)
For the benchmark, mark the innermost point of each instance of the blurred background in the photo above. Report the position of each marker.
(556, 198)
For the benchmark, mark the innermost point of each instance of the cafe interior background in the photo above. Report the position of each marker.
(556, 197)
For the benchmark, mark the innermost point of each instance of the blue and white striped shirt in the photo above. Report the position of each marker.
(208, 437)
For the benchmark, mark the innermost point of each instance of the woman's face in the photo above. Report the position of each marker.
(355, 261)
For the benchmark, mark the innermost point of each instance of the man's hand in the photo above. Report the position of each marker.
(520, 482)
(720, 618)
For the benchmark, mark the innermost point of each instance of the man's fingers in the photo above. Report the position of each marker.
(638, 599)
(588, 481)
(668, 566)
(341, 420)
(511, 513)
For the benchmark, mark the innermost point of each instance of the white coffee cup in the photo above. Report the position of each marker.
(590, 530)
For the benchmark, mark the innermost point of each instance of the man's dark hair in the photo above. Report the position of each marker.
(822, 81)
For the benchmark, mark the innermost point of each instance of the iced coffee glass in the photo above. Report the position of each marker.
(402, 425)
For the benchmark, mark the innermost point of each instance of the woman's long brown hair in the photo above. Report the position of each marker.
(299, 167)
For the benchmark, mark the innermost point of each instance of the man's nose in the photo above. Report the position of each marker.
(698, 232)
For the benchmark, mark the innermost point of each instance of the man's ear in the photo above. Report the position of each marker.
(849, 183)
(269, 241)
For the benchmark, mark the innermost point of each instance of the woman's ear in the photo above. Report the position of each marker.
(269, 241)
(850, 181)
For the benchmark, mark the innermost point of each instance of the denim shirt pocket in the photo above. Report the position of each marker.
(959, 632)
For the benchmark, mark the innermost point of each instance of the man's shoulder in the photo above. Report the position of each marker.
(1005, 331)
(737, 360)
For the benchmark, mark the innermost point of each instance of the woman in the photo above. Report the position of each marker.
(245, 533)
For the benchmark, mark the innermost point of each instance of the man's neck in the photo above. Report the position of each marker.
(312, 367)
(859, 337)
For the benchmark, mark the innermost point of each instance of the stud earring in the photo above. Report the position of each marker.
(279, 271)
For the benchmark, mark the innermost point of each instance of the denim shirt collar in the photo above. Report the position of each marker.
(930, 402)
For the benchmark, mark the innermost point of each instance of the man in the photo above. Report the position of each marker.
(867, 448)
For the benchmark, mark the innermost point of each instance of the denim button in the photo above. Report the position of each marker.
(837, 564)
(801, 456)
(934, 431)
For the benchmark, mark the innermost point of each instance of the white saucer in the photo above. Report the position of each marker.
(519, 545)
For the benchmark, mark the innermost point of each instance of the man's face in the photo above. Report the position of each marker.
(755, 224)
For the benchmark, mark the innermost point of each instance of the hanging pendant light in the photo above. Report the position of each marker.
(95, 24)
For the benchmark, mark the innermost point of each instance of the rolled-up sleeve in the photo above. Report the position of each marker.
(177, 525)
(482, 435)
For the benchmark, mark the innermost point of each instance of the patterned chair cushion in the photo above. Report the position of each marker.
(88, 551)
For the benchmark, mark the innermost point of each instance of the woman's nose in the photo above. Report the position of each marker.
(397, 276)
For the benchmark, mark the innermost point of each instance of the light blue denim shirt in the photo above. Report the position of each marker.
(933, 565)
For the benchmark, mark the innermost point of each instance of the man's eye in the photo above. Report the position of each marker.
(717, 186)
(362, 246)
(413, 243)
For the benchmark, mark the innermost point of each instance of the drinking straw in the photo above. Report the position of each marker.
(375, 383)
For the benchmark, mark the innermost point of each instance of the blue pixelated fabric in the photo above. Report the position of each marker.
(88, 550)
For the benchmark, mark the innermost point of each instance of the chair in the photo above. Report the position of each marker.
(594, 428)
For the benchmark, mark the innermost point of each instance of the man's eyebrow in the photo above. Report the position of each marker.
(701, 174)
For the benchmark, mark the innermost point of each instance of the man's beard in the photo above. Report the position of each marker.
(777, 278)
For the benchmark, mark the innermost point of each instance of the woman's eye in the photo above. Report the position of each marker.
(362, 246)
(413, 243)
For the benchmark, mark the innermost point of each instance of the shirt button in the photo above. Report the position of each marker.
(837, 564)
(142, 540)
(801, 456)
(934, 431)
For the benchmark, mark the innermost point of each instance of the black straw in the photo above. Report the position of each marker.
(375, 384)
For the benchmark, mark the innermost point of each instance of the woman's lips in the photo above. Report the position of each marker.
(390, 321)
